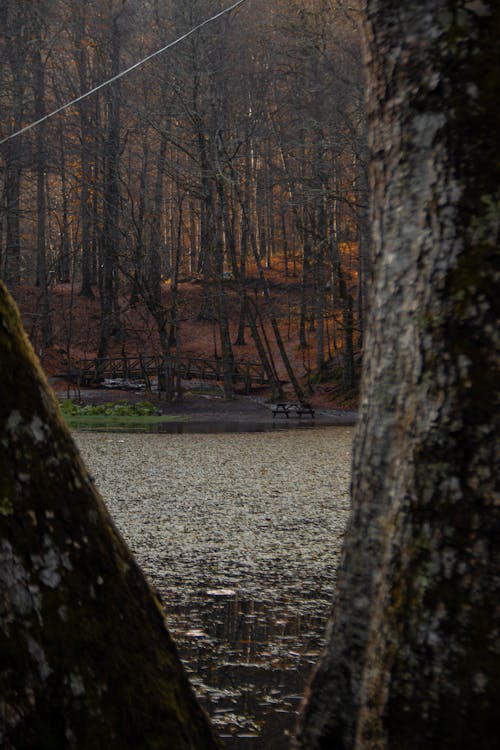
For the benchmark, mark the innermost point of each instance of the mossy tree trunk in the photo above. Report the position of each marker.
(413, 654)
(85, 657)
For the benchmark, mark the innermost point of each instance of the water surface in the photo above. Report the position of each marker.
(241, 534)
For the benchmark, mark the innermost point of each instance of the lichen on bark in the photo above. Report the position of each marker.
(85, 657)
(413, 657)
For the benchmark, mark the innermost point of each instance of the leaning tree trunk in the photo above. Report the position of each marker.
(86, 660)
(413, 656)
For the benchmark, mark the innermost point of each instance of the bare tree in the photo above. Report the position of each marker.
(17, 21)
(42, 274)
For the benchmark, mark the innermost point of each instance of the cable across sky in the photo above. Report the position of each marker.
(123, 72)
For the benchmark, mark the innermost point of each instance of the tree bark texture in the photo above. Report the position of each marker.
(85, 657)
(413, 659)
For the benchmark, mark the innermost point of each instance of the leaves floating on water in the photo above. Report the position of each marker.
(241, 535)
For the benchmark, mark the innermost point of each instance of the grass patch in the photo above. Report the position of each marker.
(117, 416)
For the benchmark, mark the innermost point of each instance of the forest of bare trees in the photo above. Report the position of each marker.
(242, 147)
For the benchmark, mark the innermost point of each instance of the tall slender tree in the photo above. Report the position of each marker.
(15, 40)
(42, 271)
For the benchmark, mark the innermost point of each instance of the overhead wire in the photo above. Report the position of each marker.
(122, 73)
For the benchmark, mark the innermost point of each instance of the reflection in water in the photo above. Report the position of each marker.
(249, 662)
(221, 426)
(198, 427)
(229, 425)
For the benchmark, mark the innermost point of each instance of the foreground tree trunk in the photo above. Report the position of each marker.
(86, 660)
(413, 656)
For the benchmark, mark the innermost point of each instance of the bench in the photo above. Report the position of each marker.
(293, 409)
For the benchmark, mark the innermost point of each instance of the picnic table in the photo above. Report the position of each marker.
(294, 409)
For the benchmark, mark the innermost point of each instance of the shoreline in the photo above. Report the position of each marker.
(211, 408)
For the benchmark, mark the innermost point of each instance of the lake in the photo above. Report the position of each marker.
(241, 534)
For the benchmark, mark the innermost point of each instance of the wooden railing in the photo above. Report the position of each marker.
(145, 368)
